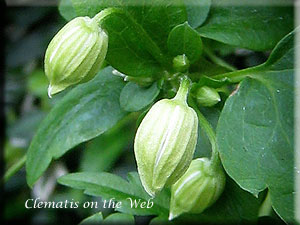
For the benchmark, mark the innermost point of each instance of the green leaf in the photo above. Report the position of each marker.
(93, 219)
(134, 97)
(247, 26)
(110, 186)
(185, 40)
(197, 11)
(66, 9)
(137, 39)
(257, 148)
(84, 113)
(117, 218)
(102, 152)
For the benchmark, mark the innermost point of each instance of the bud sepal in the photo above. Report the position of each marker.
(75, 54)
(165, 141)
(197, 189)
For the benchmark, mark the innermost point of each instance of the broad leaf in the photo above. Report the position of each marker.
(197, 11)
(248, 26)
(134, 97)
(185, 40)
(84, 113)
(102, 152)
(110, 186)
(255, 130)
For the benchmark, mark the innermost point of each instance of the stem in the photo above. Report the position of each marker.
(238, 76)
(205, 125)
(183, 89)
(14, 168)
(217, 60)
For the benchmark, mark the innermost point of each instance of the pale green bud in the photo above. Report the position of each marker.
(197, 189)
(75, 54)
(165, 142)
(207, 96)
(181, 63)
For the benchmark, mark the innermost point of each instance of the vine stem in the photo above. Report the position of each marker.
(218, 60)
(14, 168)
(206, 126)
(239, 75)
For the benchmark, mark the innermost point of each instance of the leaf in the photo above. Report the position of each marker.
(253, 27)
(93, 219)
(137, 37)
(102, 152)
(134, 97)
(257, 148)
(84, 113)
(110, 186)
(117, 218)
(185, 40)
(66, 9)
(197, 11)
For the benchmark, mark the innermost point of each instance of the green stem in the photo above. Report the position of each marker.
(238, 76)
(218, 60)
(183, 89)
(14, 168)
(207, 128)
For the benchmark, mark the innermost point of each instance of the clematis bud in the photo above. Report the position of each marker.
(181, 63)
(165, 141)
(75, 54)
(207, 96)
(197, 189)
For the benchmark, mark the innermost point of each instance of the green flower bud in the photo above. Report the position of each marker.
(197, 189)
(165, 141)
(75, 54)
(181, 63)
(207, 96)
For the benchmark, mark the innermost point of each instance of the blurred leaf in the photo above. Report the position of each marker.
(93, 220)
(253, 27)
(134, 97)
(84, 113)
(185, 40)
(38, 83)
(197, 11)
(66, 9)
(117, 218)
(29, 48)
(110, 186)
(21, 132)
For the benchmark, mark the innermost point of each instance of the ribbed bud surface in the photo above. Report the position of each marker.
(165, 143)
(197, 189)
(75, 54)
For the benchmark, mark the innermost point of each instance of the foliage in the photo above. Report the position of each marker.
(253, 121)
